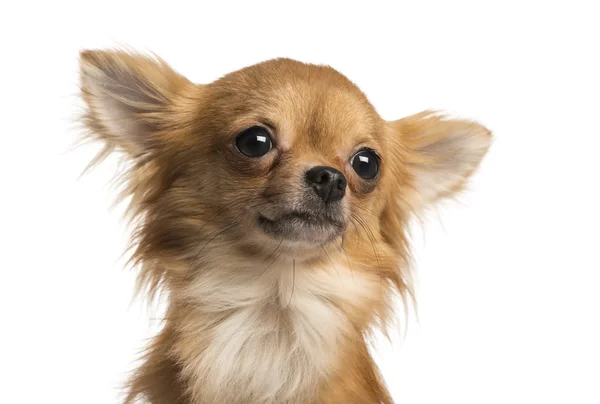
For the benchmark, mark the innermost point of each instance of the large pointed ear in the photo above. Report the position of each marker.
(128, 98)
(440, 154)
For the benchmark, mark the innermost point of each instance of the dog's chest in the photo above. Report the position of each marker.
(277, 338)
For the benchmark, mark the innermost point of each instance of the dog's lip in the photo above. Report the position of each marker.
(301, 226)
(298, 215)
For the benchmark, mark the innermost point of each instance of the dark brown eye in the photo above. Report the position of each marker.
(254, 142)
(366, 164)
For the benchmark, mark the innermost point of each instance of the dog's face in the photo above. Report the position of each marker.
(280, 155)
(295, 152)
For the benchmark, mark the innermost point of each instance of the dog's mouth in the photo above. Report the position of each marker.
(302, 226)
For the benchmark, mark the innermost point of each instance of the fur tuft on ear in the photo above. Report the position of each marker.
(440, 153)
(128, 96)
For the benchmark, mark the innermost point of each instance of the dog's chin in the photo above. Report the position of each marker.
(302, 228)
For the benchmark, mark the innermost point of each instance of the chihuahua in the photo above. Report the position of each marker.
(270, 208)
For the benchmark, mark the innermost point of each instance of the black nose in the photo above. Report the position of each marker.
(328, 183)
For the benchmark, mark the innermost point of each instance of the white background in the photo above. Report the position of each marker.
(509, 276)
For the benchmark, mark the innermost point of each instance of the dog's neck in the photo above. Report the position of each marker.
(260, 334)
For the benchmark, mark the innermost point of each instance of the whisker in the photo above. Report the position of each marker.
(332, 265)
(241, 201)
(371, 238)
(347, 258)
(271, 263)
(223, 230)
(219, 232)
(293, 281)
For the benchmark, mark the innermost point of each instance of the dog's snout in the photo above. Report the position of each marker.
(327, 182)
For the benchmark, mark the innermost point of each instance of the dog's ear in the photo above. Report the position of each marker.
(128, 97)
(438, 154)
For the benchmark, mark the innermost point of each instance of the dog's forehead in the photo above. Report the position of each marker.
(319, 115)
(306, 103)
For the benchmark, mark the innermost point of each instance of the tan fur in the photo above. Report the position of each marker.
(252, 319)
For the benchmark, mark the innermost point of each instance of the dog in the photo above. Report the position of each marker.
(271, 208)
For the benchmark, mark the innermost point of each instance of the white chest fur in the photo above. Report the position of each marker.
(272, 336)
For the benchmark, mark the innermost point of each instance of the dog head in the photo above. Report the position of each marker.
(281, 154)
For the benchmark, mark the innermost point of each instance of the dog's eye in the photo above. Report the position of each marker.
(254, 142)
(366, 164)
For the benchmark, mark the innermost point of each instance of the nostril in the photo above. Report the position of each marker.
(323, 178)
(327, 182)
(319, 176)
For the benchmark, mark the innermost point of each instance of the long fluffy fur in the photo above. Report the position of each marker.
(250, 321)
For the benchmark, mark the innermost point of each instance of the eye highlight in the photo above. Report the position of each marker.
(254, 142)
(366, 164)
